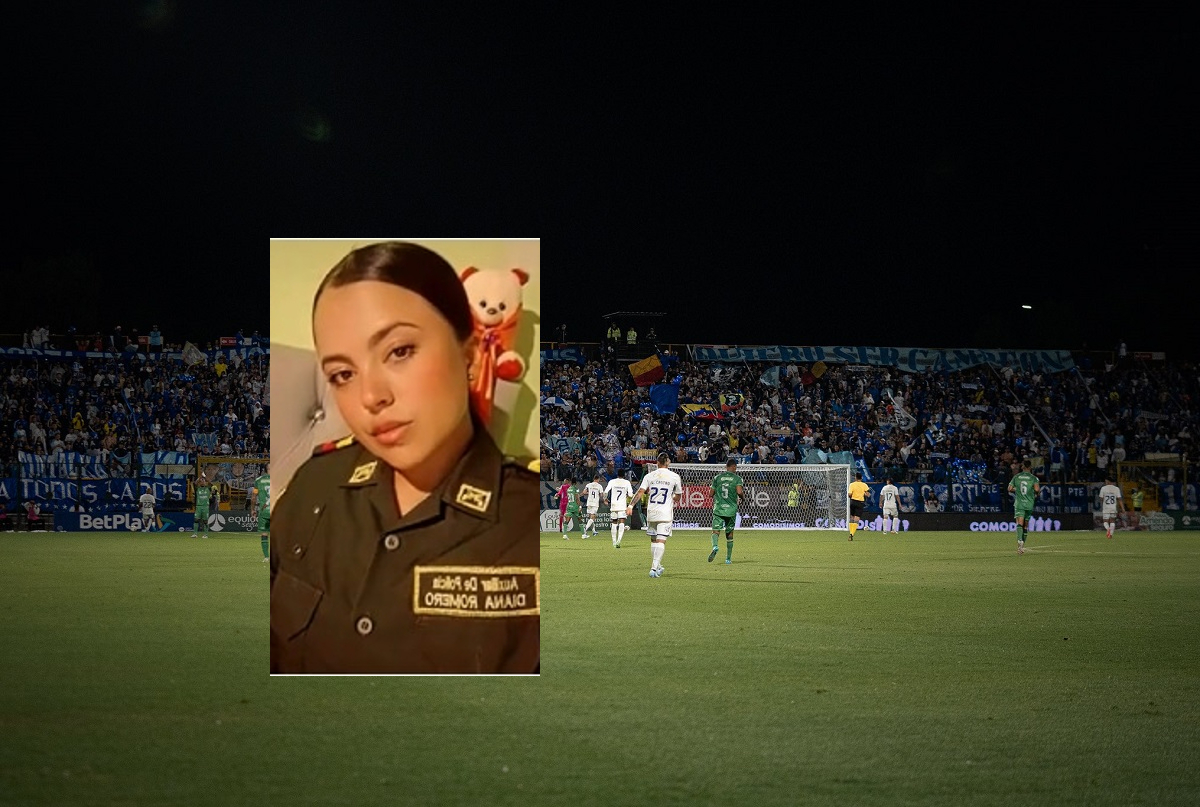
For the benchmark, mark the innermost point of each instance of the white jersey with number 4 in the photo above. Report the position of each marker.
(1108, 499)
(661, 485)
(619, 492)
(593, 491)
(889, 499)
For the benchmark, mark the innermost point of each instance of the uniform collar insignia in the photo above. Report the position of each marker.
(475, 498)
(470, 486)
(363, 473)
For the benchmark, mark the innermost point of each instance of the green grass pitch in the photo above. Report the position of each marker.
(924, 668)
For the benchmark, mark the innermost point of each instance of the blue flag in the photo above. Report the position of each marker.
(665, 398)
(771, 377)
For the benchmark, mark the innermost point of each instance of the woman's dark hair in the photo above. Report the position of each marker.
(409, 266)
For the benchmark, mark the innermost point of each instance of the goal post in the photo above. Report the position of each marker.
(820, 501)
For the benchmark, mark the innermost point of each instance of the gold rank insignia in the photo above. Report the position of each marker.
(473, 497)
(363, 472)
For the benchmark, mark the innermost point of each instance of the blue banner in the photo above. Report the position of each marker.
(97, 496)
(31, 353)
(1173, 496)
(912, 360)
(664, 398)
(574, 354)
(122, 522)
(968, 497)
(563, 444)
(70, 464)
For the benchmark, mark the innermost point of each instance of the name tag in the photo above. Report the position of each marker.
(483, 591)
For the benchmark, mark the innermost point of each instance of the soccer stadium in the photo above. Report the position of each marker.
(938, 661)
(97, 422)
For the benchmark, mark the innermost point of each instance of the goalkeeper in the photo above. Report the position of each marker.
(262, 497)
(726, 491)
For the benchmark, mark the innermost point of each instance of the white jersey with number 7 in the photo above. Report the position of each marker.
(619, 492)
(661, 485)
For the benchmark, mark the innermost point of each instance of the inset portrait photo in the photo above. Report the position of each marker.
(404, 493)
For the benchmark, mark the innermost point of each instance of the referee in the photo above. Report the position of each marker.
(858, 500)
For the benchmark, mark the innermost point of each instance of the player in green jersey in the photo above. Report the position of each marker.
(572, 515)
(262, 496)
(726, 490)
(203, 495)
(1025, 488)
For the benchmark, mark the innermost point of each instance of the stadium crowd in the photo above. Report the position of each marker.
(127, 402)
(971, 425)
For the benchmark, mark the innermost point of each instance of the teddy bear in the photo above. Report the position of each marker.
(495, 297)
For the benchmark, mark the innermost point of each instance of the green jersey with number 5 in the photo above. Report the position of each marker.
(725, 498)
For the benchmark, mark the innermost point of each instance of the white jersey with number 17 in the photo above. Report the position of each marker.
(619, 492)
(661, 485)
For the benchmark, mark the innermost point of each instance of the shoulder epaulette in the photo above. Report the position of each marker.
(332, 445)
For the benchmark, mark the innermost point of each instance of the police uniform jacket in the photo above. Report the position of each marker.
(450, 587)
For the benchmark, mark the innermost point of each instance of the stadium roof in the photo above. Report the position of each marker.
(635, 314)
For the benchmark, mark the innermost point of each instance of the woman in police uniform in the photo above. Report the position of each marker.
(410, 546)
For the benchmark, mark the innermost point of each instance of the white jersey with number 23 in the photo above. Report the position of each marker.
(661, 485)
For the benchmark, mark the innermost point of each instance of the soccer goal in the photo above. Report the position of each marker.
(819, 500)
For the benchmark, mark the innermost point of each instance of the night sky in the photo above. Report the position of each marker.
(910, 185)
(915, 190)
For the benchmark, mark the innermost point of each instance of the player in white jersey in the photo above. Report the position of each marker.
(146, 502)
(889, 500)
(594, 491)
(663, 488)
(617, 493)
(1110, 497)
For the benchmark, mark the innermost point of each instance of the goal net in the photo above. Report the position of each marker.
(819, 500)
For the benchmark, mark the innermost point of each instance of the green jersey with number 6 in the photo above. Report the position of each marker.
(1022, 485)
(725, 497)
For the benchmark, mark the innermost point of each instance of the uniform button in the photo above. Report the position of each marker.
(317, 510)
(365, 625)
(391, 542)
(297, 550)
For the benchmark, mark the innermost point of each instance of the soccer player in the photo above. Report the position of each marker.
(593, 490)
(617, 493)
(1110, 497)
(662, 487)
(794, 495)
(262, 494)
(146, 500)
(203, 494)
(889, 497)
(726, 491)
(562, 496)
(858, 500)
(572, 509)
(1025, 488)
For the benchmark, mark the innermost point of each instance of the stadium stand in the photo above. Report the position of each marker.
(120, 415)
(925, 428)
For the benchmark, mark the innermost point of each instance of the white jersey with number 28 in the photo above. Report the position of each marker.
(661, 485)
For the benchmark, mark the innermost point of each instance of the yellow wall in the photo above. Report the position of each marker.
(298, 266)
